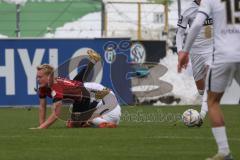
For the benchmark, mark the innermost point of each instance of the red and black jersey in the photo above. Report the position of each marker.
(44, 92)
(64, 89)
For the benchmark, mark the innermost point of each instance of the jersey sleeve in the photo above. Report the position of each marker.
(184, 19)
(93, 86)
(183, 22)
(205, 8)
(180, 38)
(42, 92)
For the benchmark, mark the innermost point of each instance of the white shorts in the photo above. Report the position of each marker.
(112, 117)
(200, 63)
(221, 75)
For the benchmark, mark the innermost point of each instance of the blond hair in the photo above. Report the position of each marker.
(48, 69)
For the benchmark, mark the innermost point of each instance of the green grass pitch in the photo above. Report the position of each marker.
(145, 132)
(36, 17)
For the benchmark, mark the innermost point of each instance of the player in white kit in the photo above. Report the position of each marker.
(226, 61)
(107, 112)
(201, 51)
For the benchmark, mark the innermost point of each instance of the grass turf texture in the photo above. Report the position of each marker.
(36, 17)
(132, 140)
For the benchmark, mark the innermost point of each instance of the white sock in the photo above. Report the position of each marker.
(204, 107)
(220, 136)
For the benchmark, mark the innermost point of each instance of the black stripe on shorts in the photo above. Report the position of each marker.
(210, 80)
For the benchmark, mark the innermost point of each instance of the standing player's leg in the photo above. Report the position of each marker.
(218, 78)
(204, 105)
(200, 67)
(217, 122)
(237, 74)
(203, 93)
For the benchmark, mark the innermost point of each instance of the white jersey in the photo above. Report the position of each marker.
(226, 17)
(93, 86)
(204, 42)
(108, 109)
(109, 99)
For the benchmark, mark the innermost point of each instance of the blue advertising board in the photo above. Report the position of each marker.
(20, 57)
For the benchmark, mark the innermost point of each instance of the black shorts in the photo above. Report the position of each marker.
(84, 105)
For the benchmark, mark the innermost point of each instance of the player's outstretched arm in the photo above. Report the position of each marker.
(42, 110)
(54, 115)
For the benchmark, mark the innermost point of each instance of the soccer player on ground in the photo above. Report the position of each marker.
(200, 53)
(86, 96)
(226, 61)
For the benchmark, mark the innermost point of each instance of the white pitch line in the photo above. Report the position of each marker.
(188, 138)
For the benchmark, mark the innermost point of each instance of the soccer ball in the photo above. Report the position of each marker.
(191, 117)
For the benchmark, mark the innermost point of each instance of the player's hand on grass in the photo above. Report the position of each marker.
(183, 59)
